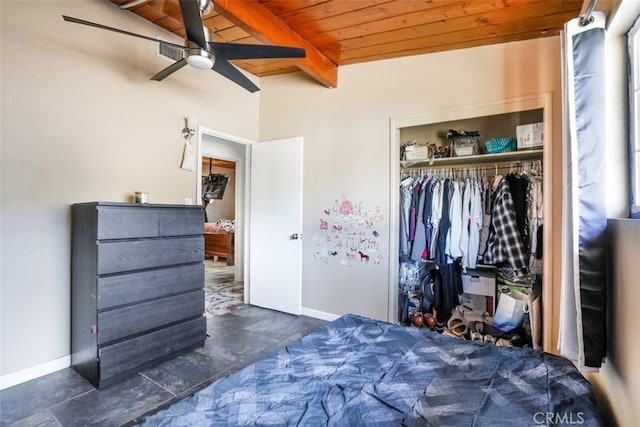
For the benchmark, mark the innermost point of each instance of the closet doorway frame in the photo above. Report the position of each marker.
(551, 269)
(241, 191)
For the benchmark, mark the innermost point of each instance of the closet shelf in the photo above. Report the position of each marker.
(479, 159)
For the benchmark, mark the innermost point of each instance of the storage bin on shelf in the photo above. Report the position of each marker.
(463, 143)
(500, 145)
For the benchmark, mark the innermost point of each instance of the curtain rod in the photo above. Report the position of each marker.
(588, 6)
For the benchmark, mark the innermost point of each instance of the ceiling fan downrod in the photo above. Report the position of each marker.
(205, 6)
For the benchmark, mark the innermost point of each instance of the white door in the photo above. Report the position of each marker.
(275, 245)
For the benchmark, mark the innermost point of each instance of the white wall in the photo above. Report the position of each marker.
(346, 134)
(81, 121)
(224, 208)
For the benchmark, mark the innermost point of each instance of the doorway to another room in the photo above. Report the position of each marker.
(219, 153)
(222, 292)
(261, 169)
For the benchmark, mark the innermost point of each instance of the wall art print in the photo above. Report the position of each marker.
(349, 233)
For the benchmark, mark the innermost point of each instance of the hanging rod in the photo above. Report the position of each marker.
(586, 18)
(475, 160)
(476, 166)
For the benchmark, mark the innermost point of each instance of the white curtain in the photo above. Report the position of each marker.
(582, 336)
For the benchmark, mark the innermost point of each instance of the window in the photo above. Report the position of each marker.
(634, 119)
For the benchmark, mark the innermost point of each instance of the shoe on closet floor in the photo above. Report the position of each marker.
(458, 324)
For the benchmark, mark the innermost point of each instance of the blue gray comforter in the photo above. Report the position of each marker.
(358, 371)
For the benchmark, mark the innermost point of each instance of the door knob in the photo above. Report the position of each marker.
(296, 236)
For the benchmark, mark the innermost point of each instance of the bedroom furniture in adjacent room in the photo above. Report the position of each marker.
(137, 286)
(219, 242)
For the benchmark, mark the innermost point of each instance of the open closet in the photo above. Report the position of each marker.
(471, 221)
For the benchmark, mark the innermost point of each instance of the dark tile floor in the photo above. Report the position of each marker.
(64, 398)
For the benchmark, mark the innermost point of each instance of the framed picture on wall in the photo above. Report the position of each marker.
(213, 186)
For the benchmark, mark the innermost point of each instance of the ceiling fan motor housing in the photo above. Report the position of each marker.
(198, 57)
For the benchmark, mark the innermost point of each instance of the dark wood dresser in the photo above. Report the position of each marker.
(137, 286)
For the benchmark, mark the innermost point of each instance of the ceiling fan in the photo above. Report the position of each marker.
(203, 54)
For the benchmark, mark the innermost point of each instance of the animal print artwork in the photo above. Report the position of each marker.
(349, 234)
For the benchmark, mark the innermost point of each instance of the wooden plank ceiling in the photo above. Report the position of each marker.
(209, 162)
(341, 32)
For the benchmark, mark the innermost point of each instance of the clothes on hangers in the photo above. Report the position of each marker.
(519, 185)
(420, 235)
(465, 223)
(457, 220)
(536, 216)
(424, 203)
(475, 224)
(455, 214)
(406, 190)
(487, 208)
(505, 244)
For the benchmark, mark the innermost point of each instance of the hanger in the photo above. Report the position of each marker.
(496, 178)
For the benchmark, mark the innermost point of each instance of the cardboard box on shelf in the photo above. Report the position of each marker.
(416, 152)
(530, 136)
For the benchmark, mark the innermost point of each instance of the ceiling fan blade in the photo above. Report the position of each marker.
(104, 27)
(254, 51)
(192, 18)
(169, 70)
(232, 73)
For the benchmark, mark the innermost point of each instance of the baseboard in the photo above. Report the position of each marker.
(19, 377)
(317, 314)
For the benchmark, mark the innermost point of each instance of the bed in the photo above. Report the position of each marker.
(359, 371)
(219, 240)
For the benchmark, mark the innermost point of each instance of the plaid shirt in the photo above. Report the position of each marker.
(505, 244)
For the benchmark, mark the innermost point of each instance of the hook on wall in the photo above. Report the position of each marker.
(191, 125)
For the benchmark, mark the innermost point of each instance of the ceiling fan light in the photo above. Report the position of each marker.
(199, 62)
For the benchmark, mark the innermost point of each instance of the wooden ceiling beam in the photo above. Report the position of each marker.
(260, 23)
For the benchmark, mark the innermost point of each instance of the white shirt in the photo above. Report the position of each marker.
(464, 223)
(475, 225)
(455, 216)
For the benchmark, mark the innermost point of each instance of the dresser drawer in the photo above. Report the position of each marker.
(131, 354)
(129, 255)
(180, 222)
(148, 221)
(134, 319)
(144, 285)
(120, 223)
